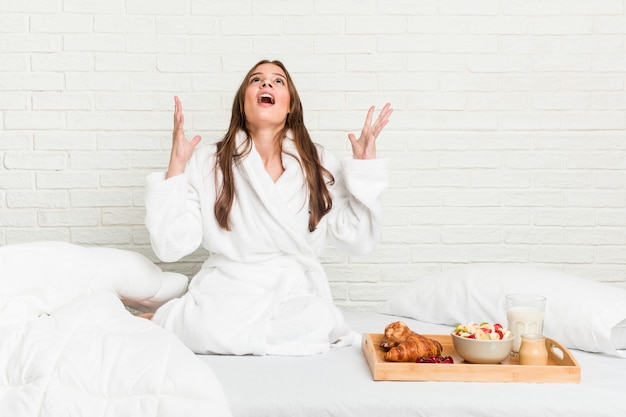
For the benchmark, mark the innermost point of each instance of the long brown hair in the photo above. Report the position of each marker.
(317, 177)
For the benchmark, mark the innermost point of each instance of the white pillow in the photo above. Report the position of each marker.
(580, 313)
(45, 275)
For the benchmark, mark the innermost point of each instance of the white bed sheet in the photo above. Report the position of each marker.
(339, 383)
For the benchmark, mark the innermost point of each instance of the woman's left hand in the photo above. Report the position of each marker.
(365, 146)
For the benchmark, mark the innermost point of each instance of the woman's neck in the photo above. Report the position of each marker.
(268, 147)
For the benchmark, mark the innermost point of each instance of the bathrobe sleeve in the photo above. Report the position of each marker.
(354, 223)
(173, 215)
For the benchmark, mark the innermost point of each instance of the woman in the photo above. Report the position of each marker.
(263, 201)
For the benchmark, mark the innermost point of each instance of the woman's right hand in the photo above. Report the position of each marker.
(182, 149)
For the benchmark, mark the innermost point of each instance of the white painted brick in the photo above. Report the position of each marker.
(157, 7)
(31, 82)
(126, 101)
(470, 198)
(564, 217)
(563, 180)
(25, 235)
(407, 8)
(561, 101)
(15, 141)
(595, 199)
(99, 160)
(440, 253)
(530, 198)
(412, 198)
(66, 23)
(30, 43)
(611, 255)
(123, 24)
(501, 25)
(101, 198)
(271, 46)
(434, 25)
(314, 25)
(186, 25)
(562, 254)
(67, 180)
(101, 236)
(93, 43)
(499, 215)
(597, 44)
(18, 218)
(561, 25)
(10, 180)
(596, 236)
(614, 63)
(534, 236)
(440, 178)
(37, 199)
(439, 216)
(532, 7)
(460, 7)
(499, 254)
(221, 8)
(497, 63)
(63, 141)
(37, 120)
(132, 178)
(610, 24)
(544, 45)
(506, 144)
(100, 81)
(187, 63)
(94, 6)
(410, 235)
(122, 217)
(69, 218)
(13, 23)
(115, 120)
(600, 7)
(35, 161)
(378, 25)
(533, 83)
(594, 120)
(125, 62)
(17, 62)
(62, 101)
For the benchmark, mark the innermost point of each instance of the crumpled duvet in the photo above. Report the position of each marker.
(88, 356)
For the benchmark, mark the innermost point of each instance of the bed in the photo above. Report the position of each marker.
(340, 383)
(69, 345)
(586, 316)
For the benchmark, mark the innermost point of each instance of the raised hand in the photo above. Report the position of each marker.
(365, 146)
(182, 149)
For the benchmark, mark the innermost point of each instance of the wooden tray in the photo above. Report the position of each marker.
(562, 367)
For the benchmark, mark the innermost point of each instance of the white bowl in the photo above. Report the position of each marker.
(482, 351)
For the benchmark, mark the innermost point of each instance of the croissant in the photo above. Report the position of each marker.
(394, 334)
(412, 348)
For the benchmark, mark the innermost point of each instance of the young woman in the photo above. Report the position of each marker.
(264, 202)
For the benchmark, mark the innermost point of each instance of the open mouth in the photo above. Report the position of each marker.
(266, 98)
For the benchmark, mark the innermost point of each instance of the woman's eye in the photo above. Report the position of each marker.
(279, 81)
(255, 79)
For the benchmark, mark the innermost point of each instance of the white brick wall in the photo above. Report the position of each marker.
(508, 142)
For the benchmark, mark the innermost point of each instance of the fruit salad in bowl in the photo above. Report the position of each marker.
(482, 343)
(483, 331)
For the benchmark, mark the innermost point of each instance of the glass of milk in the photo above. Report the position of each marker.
(524, 313)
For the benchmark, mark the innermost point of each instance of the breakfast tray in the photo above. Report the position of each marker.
(562, 367)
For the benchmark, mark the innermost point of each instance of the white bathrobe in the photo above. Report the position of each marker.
(262, 289)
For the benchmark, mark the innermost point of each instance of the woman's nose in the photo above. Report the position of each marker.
(266, 83)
